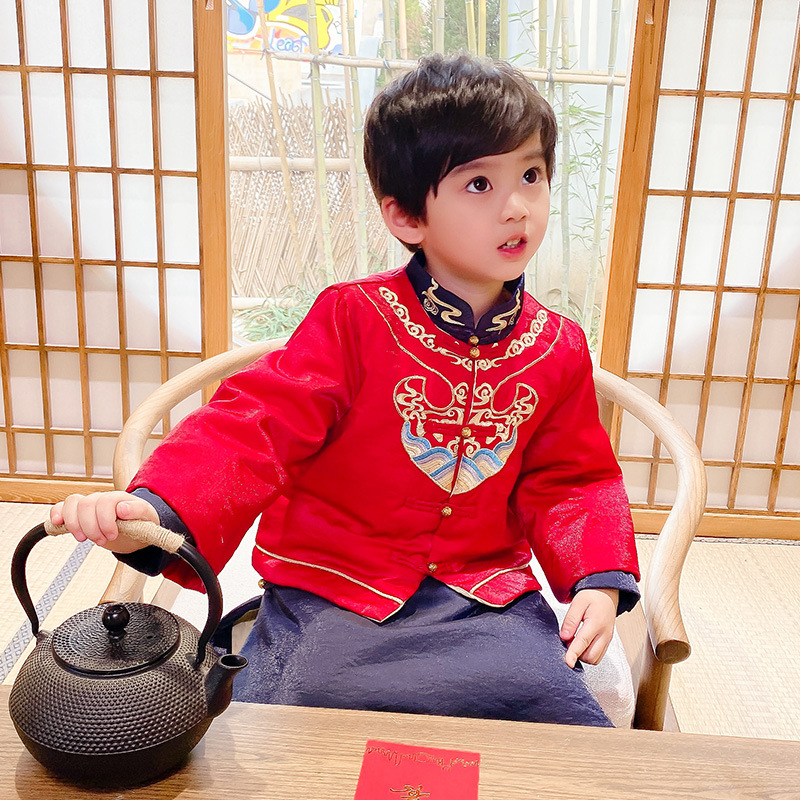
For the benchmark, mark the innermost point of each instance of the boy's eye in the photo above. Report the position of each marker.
(531, 176)
(478, 185)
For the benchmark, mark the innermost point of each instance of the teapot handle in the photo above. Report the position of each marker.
(149, 534)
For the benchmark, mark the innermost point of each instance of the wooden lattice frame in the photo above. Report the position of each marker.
(625, 250)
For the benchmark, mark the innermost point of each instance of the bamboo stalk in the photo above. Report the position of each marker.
(469, 8)
(563, 29)
(542, 49)
(388, 30)
(438, 27)
(595, 264)
(355, 140)
(402, 28)
(276, 121)
(481, 27)
(276, 164)
(503, 44)
(583, 77)
(319, 144)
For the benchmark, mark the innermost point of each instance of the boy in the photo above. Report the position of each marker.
(421, 431)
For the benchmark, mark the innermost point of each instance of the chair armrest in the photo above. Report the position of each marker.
(661, 604)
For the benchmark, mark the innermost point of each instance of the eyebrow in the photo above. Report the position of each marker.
(478, 163)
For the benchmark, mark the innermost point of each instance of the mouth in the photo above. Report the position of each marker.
(513, 245)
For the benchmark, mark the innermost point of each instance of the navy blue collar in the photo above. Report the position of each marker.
(452, 315)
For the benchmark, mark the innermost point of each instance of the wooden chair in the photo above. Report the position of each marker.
(654, 638)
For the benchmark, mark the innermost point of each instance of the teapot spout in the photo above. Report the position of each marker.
(219, 682)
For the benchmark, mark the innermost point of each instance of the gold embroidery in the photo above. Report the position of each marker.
(517, 346)
(502, 321)
(432, 303)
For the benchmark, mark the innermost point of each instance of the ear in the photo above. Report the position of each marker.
(400, 223)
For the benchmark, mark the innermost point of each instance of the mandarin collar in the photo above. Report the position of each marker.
(452, 315)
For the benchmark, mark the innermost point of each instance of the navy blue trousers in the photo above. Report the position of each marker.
(442, 653)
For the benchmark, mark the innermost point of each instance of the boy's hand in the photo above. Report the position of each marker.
(95, 516)
(589, 625)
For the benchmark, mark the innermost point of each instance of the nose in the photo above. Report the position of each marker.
(515, 207)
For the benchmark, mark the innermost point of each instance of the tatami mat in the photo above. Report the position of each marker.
(739, 600)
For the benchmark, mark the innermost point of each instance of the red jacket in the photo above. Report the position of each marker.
(388, 450)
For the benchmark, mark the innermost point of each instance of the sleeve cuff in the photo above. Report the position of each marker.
(152, 560)
(613, 579)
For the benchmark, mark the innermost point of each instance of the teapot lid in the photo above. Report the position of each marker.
(115, 638)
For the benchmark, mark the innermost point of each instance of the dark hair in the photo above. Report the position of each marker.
(446, 112)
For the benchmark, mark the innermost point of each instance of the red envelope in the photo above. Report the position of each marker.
(407, 772)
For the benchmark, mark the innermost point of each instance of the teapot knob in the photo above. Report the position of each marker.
(115, 617)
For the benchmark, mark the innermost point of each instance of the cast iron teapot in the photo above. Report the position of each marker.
(121, 692)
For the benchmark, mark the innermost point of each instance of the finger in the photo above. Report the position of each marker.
(87, 519)
(573, 619)
(106, 514)
(57, 514)
(69, 511)
(136, 508)
(577, 646)
(594, 653)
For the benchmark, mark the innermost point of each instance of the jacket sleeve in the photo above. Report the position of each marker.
(223, 464)
(569, 499)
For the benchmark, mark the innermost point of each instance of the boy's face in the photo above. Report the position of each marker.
(487, 219)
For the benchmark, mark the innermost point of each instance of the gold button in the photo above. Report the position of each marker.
(466, 431)
(446, 511)
(432, 567)
(262, 584)
(473, 340)
(474, 352)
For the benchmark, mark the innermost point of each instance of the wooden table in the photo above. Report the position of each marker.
(290, 753)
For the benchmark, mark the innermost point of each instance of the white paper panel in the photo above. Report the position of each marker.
(54, 212)
(763, 423)
(96, 215)
(183, 309)
(60, 304)
(2, 411)
(753, 489)
(673, 137)
(735, 330)
(665, 485)
(722, 421)
(692, 329)
(715, 150)
(777, 335)
(649, 333)
(141, 308)
(100, 291)
(784, 268)
(636, 476)
(175, 367)
(91, 121)
(748, 243)
(9, 40)
(791, 170)
(19, 303)
(134, 122)
(105, 392)
(42, 21)
(181, 226)
(103, 456)
(49, 118)
(144, 376)
(12, 124)
(87, 33)
(662, 227)
(704, 241)
(684, 45)
(68, 455)
(65, 392)
(776, 32)
(130, 34)
(791, 454)
(176, 124)
(31, 457)
(683, 401)
(719, 483)
(762, 144)
(4, 466)
(636, 439)
(729, 45)
(26, 389)
(15, 221)
(788, 498)
(175, 35)
(138, 223)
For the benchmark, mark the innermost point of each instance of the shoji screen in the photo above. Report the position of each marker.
(113, 271)
(704, 280)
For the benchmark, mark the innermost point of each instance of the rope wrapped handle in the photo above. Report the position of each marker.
(140, 530)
